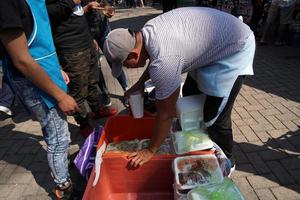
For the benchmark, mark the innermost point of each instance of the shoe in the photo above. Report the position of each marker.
(232, 169)
(86, 130)
(106, 100)
(64, 191)
(105, 112)
(4, 115)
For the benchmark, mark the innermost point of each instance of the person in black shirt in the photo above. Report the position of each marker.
(32, 68)
(78, 57)
(99, 28)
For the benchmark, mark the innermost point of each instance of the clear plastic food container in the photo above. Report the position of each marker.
(193, 171)
(189, 141)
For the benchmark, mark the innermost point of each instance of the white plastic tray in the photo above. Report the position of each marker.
(205, 170)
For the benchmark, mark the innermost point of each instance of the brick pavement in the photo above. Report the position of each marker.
(266, 120)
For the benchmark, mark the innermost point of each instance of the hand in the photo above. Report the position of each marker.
(93, 6)
(96, 46)
(77, 1)
(109, 12)
(139, 158)
(68, 105)
(65, 76)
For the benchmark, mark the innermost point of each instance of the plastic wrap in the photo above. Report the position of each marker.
(192, 171)
(226, 190)
(189, 141)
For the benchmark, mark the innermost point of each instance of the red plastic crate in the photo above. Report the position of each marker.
(153, 180)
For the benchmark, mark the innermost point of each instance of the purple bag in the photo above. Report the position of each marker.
(85, 159)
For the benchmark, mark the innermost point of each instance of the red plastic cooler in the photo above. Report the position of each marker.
(153, 180)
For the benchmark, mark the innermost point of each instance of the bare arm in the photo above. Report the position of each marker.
(166, 110)
(15, 43)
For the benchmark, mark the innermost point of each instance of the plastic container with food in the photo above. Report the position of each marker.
(192, 171)
(226, 190)
(189, 141)
(123, 146)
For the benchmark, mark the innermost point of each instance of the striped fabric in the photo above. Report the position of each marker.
(186, 39)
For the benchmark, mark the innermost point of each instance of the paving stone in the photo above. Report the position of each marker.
(287, 192)
(239, 155)
(265, 194)
(252, 147)
(263, 136)
(295, 173)
(245, 188)
(37, 197)
(263, 181)
(290, 125)
(269, 112)
(20, 178)
(287, 117)
(258, 163)
(281, 173)
(38, 167)
(262, 127)
(258, 117)
(6, 189)
(243, 170)
(275, 122)
(281, 108)
(249, 134)
(29, 150)
(272, 154)
(17, 192)
(291, 163)
(277, 133)
(6, 173)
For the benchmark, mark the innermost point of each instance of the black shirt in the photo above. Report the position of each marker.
(14, 14)
(70, 33)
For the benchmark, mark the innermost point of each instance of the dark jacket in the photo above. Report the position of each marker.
(70, 32)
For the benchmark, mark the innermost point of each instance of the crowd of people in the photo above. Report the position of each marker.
(50, 57)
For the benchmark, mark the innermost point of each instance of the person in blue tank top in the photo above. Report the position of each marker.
(31, 65)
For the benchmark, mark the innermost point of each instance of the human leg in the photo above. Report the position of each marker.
(7, 97)
(221, 130)
(54, 128)
(93, 90)
(76, 65)
(190, 87)
(272, 15)
(286, 14)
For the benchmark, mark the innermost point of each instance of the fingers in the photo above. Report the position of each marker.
(132, 155)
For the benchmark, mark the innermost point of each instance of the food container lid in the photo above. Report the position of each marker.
(193, 171)
(189, 141)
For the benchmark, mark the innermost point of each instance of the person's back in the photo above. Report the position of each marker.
(199, 35)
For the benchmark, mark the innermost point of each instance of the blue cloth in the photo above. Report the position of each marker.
(41, 47)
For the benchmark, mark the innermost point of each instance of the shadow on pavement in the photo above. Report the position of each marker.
(276, 160)
(26, 153)
(275, 73)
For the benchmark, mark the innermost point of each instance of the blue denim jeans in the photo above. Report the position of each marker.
(54, 127)
(7, 95)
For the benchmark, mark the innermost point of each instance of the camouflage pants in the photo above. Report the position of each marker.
(82, 68)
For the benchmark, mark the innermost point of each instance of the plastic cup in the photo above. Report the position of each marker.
(136, 101)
